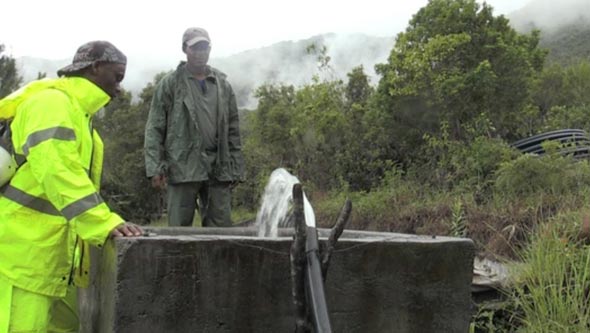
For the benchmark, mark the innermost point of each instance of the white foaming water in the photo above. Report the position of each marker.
(276, 200)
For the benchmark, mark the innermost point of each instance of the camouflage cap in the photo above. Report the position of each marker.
(91, 52)
(194, 35)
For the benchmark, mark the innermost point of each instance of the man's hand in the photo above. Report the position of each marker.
(159, 181)
(127, 229)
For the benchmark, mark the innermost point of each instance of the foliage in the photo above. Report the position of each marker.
(548, 87)
(561, 87)
(560, 117)
(495, 317)
(10, 80)
(365, 159)
(577, 84)
(472, 165)
(377, 209)
(559, 100)
(569, 43)
(550, 286)
(306, 129)
(458, 226)
(125, 185)
(321, 54)
(529, 175)
(454, 62)
(358, 89)
(266, 141)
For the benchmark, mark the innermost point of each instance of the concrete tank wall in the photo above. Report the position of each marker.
(228, 280)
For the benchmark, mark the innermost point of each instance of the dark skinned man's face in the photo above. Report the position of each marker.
(108, 77)
(197, 55)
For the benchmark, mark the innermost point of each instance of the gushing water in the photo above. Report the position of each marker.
(276, 203)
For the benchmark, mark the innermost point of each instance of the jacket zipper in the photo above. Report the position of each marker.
(76, 243)
(73, 257)
(81, 268)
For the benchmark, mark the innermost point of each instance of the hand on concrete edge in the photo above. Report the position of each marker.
(127, 229)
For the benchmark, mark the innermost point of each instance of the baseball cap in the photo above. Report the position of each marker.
(90, 52)
(194, 35)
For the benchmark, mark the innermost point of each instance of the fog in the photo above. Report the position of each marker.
(282, 63)
(549, 15)
(288, 62)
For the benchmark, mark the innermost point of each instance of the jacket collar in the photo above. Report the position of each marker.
(212, 73)
(90, 97)
(87, 94)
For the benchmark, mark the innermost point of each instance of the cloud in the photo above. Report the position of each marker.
(549, 15)
(281, 63)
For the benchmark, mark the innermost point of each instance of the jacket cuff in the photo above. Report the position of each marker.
(113, 222)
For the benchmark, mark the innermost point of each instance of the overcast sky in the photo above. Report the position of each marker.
(153, 29)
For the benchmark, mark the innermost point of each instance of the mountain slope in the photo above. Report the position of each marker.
(549, 15)
(565, 31)
(569, 43)
(565, 27)
(285, 62)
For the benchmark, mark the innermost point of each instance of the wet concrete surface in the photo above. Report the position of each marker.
(229, 280)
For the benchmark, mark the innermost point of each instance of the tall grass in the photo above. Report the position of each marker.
(551, 285)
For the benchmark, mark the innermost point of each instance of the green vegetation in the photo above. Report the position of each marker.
(426, 151)
(568, 43)
(552, 282)
(10, 80)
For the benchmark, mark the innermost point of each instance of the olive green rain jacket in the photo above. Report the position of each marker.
(173, 145)
(51, 209)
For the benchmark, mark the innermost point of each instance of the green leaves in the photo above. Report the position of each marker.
(10, 80)
(125, 185)
(459, 60)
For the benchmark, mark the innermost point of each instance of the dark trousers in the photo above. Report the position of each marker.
(211, 198)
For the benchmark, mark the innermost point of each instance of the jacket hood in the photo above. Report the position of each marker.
(90, 97)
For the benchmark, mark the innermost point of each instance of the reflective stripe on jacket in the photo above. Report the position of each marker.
(52, 206)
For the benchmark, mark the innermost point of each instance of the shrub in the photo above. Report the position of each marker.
(531, 174)
(551, 285)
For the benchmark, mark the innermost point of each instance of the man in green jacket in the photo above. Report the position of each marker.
(192, 137)
(51, 209)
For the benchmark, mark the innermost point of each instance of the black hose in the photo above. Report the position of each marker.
(316, 298)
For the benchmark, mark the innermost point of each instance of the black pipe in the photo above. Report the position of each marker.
(316, 298)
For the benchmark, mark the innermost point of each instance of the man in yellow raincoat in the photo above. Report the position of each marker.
(51, 209)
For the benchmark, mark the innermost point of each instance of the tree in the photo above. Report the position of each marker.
(358, 89)
(454, 62)
(125, 185)
(9, 78)
(364, 160)
(297, 129)
(322, 131)
(577, 83)
(548, 88)
(317, 133)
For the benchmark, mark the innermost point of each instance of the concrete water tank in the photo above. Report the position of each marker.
(230, 280)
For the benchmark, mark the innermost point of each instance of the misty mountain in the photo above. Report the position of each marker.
(565, 31)
(564, 26)
(286, 62)
(549, 15)
(290, 63)
(568, 44)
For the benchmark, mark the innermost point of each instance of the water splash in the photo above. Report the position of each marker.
(277, 200)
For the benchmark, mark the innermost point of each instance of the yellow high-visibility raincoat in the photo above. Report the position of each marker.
(51, 209)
